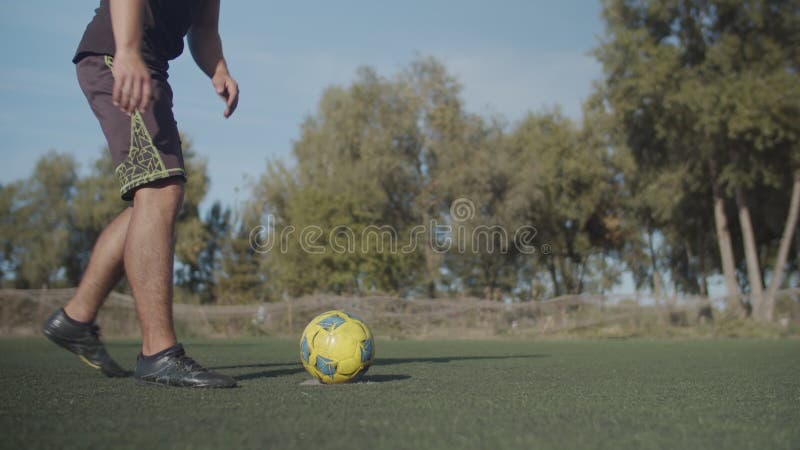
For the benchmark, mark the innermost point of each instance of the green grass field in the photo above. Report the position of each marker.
(438, 395)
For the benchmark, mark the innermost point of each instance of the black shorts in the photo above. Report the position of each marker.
(145, 146)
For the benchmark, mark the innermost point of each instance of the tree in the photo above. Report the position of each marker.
(55, 217)
(563, 186)
(365, 177)
(483, 258)
(7, 229)
(201, 277)
(38, 220)
(239, 278)
(709, 88)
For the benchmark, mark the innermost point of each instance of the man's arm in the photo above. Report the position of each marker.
(131, 77)
(206, 47)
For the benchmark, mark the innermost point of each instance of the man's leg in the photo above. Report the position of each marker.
(148, 160)
(148, 255)
(73, 327)
(104, 271)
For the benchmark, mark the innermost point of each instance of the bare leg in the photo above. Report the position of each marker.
(148, 256)
(104, 271)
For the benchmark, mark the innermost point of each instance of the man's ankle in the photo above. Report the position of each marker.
(78, 315)
(151, 349)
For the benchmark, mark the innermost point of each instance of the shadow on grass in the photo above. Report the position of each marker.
(390, 361)
(255, 365)
(269, 373)
(447, 359)
(128, 343)
(366, 379)
(297, 368)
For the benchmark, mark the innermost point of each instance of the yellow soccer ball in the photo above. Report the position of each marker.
(337, 347)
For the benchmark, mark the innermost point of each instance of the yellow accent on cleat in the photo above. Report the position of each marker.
(89, 363)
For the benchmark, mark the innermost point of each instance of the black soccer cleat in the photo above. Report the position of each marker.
(84, 341)
(173, 367)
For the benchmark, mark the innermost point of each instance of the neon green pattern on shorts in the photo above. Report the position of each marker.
(144, 163)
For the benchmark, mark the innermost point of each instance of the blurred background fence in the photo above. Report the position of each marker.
(615, 316)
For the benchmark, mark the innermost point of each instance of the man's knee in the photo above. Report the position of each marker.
(165, 195)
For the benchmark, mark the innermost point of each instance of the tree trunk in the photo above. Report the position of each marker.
(751, 257)
(562, 269)
(691, 272)
(783, 249)
(554, 277)
(656, 276)
(290, 316)
(797, 247)
(430, 264)
(581, 272)
(703, 274)
(726, 251)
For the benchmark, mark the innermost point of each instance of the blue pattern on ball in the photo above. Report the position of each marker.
(325, 366)
(331, 323)
(304, 351)
(366, 350)
(354, 316)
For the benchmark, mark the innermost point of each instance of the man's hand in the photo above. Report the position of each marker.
(228, 89)
(131, 77)
(131, 82)
(206, 48)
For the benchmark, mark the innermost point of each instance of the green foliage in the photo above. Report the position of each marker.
(37, 221)
(563, 185)
(7, 228)
(700, 100)
(51, 220)
(397, 153)
(237, 275)
(362, 165)
(701, 94)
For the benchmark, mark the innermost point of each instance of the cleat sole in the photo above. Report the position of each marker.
(89, 363)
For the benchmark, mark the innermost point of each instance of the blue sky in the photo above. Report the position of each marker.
(510, 56)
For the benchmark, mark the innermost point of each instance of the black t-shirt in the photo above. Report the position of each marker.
(165, 23)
